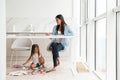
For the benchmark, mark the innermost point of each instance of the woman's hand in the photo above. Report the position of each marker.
(48, 33)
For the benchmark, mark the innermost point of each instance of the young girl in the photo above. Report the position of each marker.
(35, 57)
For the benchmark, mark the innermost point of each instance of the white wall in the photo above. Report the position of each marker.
(39, 24)
(2, 41)
(38, 8)
(39, 13)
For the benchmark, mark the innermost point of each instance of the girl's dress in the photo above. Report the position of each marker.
(36, 60)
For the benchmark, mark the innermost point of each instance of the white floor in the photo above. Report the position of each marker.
(63, 72)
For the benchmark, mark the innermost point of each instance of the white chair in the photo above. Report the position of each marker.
(20, 45)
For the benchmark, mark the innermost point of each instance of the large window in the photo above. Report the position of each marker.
(100, 7)
(104, 30)
(93, 37)
(101, 47)
(96, 31)
(100, 66)
(118, 3)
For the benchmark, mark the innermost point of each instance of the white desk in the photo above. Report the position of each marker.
(25, 32)
(33, 35)
(51, 36)
(14, 35)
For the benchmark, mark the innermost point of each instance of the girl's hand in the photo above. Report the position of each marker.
(48, 33)
(23, 67)
(23, 64)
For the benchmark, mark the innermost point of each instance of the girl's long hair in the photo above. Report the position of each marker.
(63, 23)
(33, 49)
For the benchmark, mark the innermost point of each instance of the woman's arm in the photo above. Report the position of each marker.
(53, 31)
(68, 31)
(29, 59)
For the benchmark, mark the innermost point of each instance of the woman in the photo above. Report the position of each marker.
(60, 43)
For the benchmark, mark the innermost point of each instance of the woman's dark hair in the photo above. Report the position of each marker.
(33, 49)
(63, 23)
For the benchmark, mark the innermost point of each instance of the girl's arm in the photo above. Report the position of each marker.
(41, 60)
(29, 59)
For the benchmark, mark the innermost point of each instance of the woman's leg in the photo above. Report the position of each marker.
(59, 48)
(56, 47)
(58, 61)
